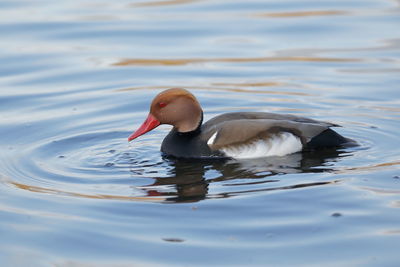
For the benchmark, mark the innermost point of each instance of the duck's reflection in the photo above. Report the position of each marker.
(189, 180)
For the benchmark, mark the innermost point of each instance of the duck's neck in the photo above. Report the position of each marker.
(190, 129)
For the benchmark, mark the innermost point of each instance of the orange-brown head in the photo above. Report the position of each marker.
(175, 106)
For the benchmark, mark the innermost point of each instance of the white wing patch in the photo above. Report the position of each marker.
(212, 138)
(278, 145)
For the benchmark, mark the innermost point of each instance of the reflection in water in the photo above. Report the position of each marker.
(234, 88)
(303, 13)
(38, 189)
(372, 167)
(186, 61)
(189, 180)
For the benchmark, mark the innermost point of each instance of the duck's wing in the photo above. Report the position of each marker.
(233, 116)
(242, 132)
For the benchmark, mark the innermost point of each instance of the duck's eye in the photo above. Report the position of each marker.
(162, 104)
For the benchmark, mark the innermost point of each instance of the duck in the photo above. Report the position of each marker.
(237, 135)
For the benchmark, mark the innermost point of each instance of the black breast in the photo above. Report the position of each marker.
(187, 145)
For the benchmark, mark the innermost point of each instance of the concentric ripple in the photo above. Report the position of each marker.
(90, 164)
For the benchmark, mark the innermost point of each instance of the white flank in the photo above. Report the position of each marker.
(278, 145)
(212, 139)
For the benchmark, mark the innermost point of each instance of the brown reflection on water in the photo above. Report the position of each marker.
(216, 89)
(303, 13)
(38, 189)
(187, 61)
(392, 232)
(373, 167)
(250, 84)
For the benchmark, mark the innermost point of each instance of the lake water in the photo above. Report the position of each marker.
(77, 77)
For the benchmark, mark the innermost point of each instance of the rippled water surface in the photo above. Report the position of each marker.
(77, 77)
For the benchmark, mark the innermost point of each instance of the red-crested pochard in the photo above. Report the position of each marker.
(232, 135)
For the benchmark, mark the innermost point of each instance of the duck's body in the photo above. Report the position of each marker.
(234, 135)
(251, 134)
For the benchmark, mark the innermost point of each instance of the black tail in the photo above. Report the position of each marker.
(329, 138)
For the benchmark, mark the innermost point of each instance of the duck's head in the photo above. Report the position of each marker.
(176, 107)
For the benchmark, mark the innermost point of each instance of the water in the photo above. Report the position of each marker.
(76, 78)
